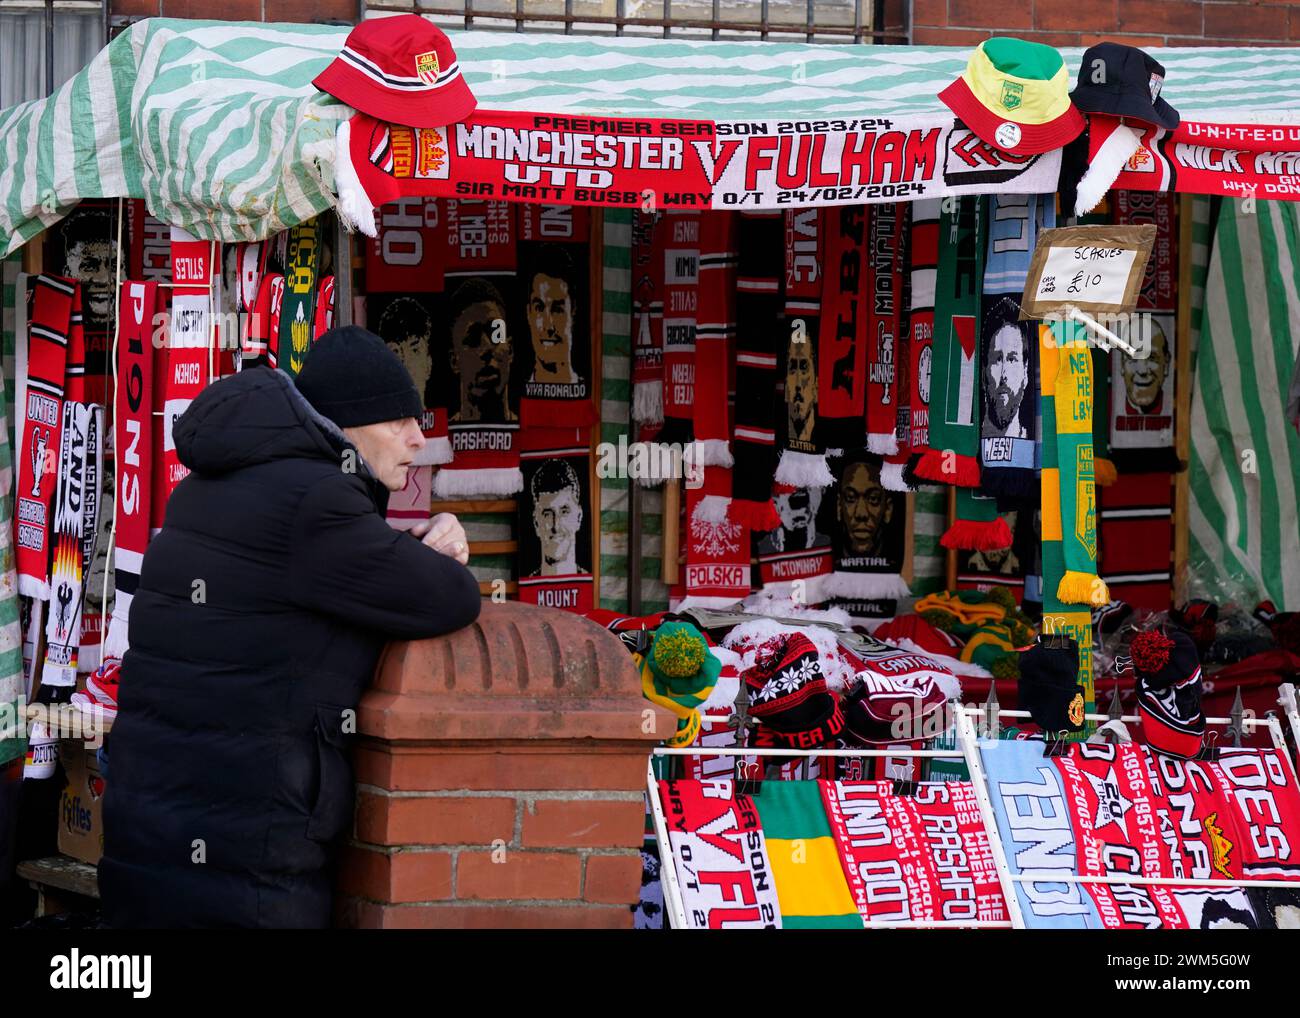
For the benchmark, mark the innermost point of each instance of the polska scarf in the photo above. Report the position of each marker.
(50, 328)
(555, 527)
(648, 235)
(717, 546)
(298, 310)
(1008, 352)
(842, 336)
(478, 252)
(803, 462)
(886, 261)
(554, 254)
(681, 284)
(133, 453)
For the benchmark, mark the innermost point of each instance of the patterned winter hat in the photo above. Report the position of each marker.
(788, 693)
(878, 705)
(1015, 95)
(1169, 691)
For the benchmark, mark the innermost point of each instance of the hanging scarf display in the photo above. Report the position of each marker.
(842, 334)
(953, 455)
(886, 262)
(133, 452)
(681, 282)
(977, 526)
(554, 277)
(1058, 617)
(717, 548)
(96, 582)
(1142, 394)
(1077, 507)
(803, 461)
(324, 319)
(50, 327)
(478, 255)
(868, 539)
(1010, 566)
(923, 257)
(648, 234)
(715, 336)
(795, 558)
(188, 348)
(264, 322)
(150, 244)
(556, 523)
(1103, 465)
(758, 323)
(298, 309)
(63, 628)
(84, 248)
(1008, 351)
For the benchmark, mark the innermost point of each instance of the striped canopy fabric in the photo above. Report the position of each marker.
(1245, 463)
(218, 127)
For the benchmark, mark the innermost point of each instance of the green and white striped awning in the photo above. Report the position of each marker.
(217, 126)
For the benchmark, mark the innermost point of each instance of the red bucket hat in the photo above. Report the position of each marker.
(400, 69)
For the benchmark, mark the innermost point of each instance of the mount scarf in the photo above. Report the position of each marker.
(555, 523)
(886, 262)
(803, 461)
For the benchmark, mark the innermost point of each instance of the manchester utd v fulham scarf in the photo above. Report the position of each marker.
(133, 453)
(49, 332)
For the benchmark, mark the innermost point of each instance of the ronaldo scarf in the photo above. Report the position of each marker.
(886, 260)
(49, 333)
(802, 463)
(133, 453)
(842, 337)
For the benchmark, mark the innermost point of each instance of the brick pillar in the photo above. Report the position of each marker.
(500, 779)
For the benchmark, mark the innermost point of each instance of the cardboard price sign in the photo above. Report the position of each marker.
(1093, 269)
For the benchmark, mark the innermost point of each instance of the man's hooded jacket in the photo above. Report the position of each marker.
(264, 602)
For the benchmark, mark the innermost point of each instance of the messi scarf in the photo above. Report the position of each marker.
(886, 261)
(133, 453)
(479, 257)
(1008, 352)
(648, 319)
(803, 462)
(49, 332)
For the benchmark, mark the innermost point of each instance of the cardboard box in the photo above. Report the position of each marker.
(81, 820)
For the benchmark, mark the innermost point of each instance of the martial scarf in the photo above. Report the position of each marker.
(886, 262)
(868, 539)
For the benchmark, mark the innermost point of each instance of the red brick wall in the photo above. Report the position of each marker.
(1084, 22)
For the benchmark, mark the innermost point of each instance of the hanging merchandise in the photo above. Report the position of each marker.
(648, 319)
(758, 318)
(1168, 671)
(189, 347)
(1102, 464)
(555, 528)
(868, 538)
(795, 558)
(1007, 565)
(259, 343)
(324, 318)
(715, 338)
(298, 309)
(923, 252)
(478, 252)
(803, 460)
(886, 262)
(717, 545)
(1008, 350)
(977, 524)
(681, 284)
(554, 279)
(842, 338)
(84, 247)
(50, 329)
(679, 673)
(1049, 685)
(133, 453)
(150, 245)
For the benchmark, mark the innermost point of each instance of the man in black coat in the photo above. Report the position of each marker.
(263, 604)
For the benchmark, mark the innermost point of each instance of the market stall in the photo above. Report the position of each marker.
(703, 325)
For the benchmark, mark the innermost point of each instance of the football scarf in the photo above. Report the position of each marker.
(97, 587)
(1008, 352)
(977, 526)
(842, 336)
(802, 462)
(188, 351)
(555, 528)
(50, 327)
(795, 558)
(554, 277)
(1136, 540)
(478, 252)
(681, 282)
(1103, 466)
(324, 318)
(868, 539)
(648, 235)
(923, 253)
(133, 453)
(298, 308)
(758, 316)
(715, 335)
(717, 546)
(1058, 617)
(886, 261)
(1142, 403)
(410, 506)
(63, 627)
(259, 343)
(1077, 507)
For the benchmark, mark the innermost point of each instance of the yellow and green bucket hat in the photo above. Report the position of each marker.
(1015, 95)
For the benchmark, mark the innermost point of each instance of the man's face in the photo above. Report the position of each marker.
(1006, 375)
(388, 448)
(92, 262)
(413, 351)
(795, 510)
(550, 319)
(480, 351)
(1144, 379)
(557, 516)
(865, 509)
(800, 389)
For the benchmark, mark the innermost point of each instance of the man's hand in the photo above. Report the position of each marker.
(443, 533)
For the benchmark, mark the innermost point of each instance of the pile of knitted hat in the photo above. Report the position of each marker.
(990, 625)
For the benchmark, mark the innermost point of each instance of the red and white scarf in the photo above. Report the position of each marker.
(189, 345)
(681, 276)
(885, 262)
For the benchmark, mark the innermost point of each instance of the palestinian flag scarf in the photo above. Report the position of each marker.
(953, 453)
(133, 453)
(50, 327)
(1008, 351)
(803, 462)
(842, 334)
(886, 262)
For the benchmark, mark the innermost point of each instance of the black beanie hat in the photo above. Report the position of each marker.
(1049, 684)
(353, 378)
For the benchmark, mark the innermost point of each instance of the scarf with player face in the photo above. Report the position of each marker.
(51, 326)
(479, 257)
(1008, 361)
(133, 453)
(648, 234)
(758, 316)
(803, 462)
(681, 284)
(298, 309)
(868, 539)
(553, 259)
(795, 558)
(842, 334)
(554, 525)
